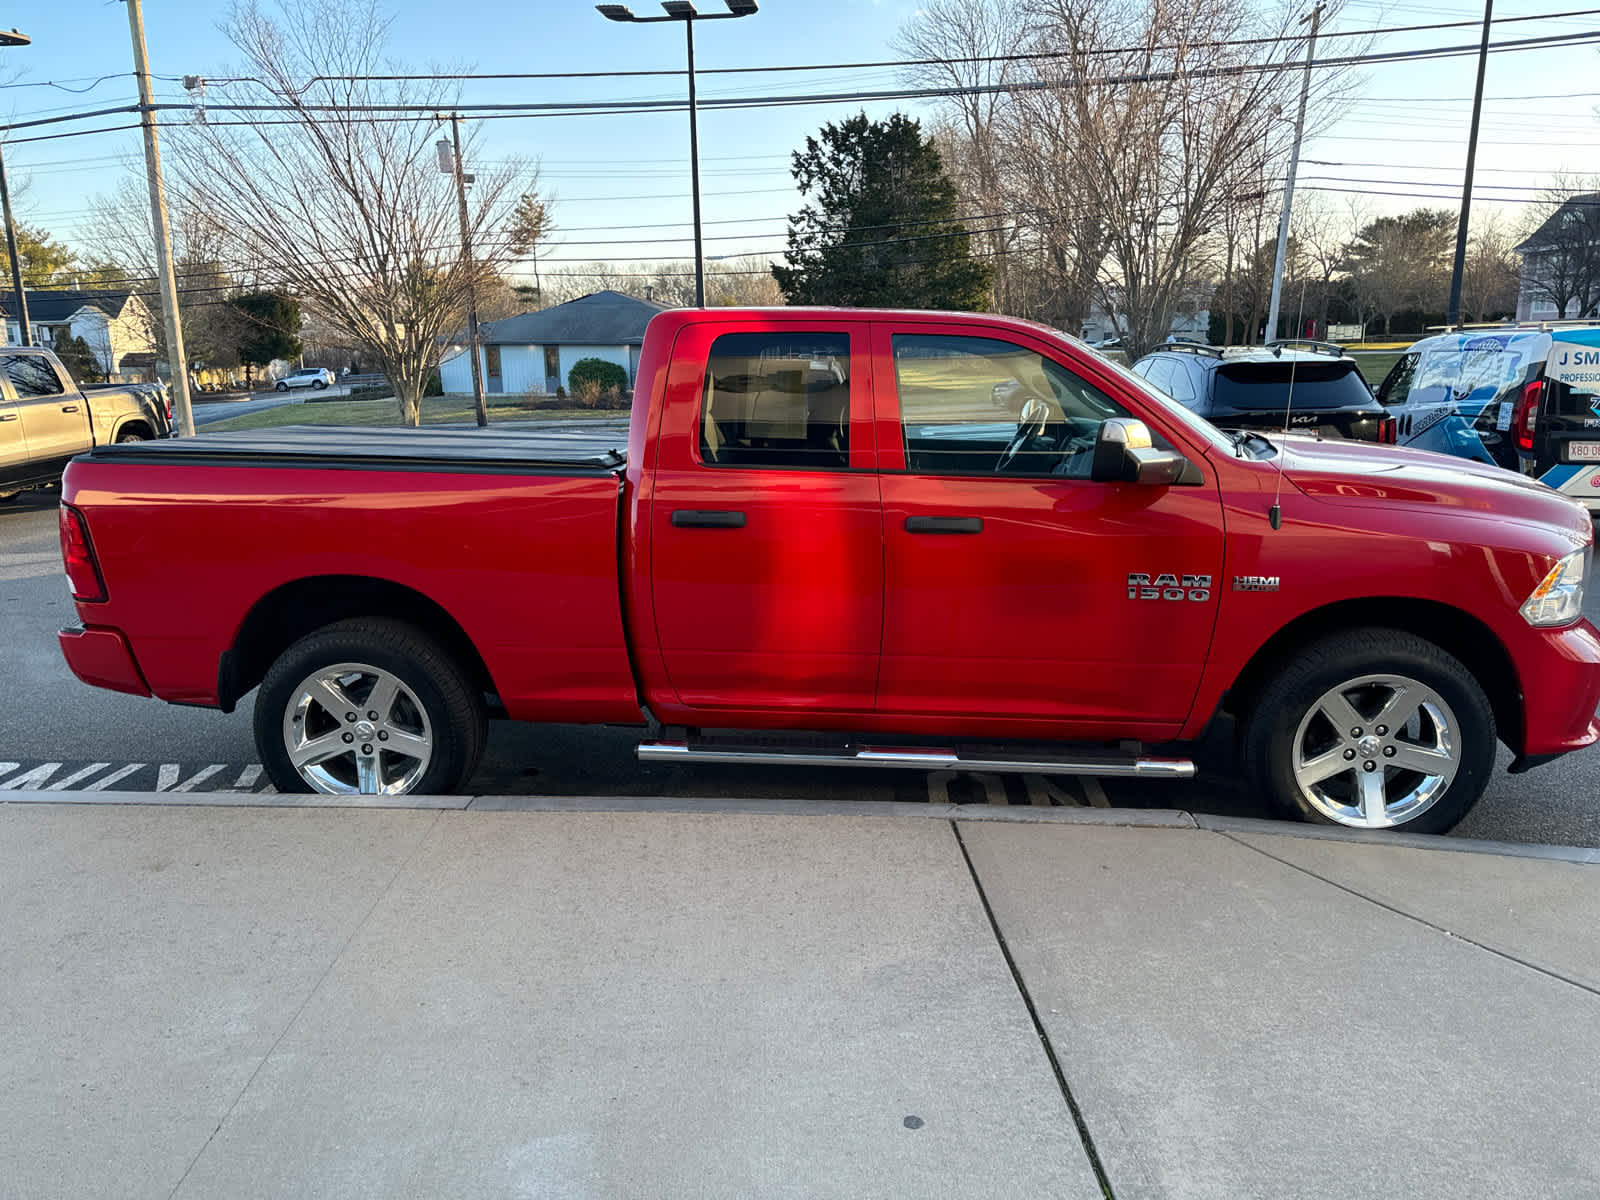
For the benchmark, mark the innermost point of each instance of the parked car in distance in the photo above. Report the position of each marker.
(826, 544)
(1526, 398)
(1298, 386)
(46, 418)
(311, 377)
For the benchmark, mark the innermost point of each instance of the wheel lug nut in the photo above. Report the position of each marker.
(372, 715)
(1369, 766)
(1388, 751)
(366, 748)
(349, 716)
(383, 735)
(1381, 730)
(349, 737)
(1356, 732)
(1349, 754)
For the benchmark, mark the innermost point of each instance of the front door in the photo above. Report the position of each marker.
(13, 445)
(766, 554)
(1019, 593)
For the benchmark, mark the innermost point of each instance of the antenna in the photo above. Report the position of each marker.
(1275, 513)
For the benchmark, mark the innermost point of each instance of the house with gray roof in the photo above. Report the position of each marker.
(534, 351)
(117, 325)
(1561, 263)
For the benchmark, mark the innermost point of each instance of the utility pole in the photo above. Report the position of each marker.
(177, 360)
(1288, 183)
(462, 179)
(13, 38)
(1453, 312)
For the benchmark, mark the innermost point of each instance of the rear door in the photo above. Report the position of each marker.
(1016, 589)
(766, 556)
(1568, 428)
(55, 418)
(13, 445)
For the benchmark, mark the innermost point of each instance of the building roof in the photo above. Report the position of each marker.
(51, 305)
(1541, 235)
(601, 319)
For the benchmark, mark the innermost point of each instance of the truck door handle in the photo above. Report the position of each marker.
(944, 524)
(8, 416)
(707, 518)
(69, 408)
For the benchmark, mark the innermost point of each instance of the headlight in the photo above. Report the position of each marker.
(1558, 600)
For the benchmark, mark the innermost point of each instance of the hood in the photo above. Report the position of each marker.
(1360, 473)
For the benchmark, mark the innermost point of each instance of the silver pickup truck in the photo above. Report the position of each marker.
(46, 418)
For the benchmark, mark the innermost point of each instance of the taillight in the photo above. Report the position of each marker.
(1387, 429)
(1525, 418)
(83, 573)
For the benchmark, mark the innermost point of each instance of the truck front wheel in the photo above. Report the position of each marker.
(369, 707)
(1372, 729)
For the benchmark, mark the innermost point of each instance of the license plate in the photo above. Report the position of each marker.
(1583, 451)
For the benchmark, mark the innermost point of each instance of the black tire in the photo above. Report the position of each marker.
(131, 435)
(1268, 747)
(319, 384)
(281, 387)
(453, 706)
(7, 497)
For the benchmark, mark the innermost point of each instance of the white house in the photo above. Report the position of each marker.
(1189, 323)
(533, 352)
(1561, 260)
(117, 325)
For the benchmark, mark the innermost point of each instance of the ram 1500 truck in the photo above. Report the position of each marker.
(826, 541)
(46, 419)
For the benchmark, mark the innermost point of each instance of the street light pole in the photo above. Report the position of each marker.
(1288, 183)
(25, 329)
(684, 10)
(1453, 312)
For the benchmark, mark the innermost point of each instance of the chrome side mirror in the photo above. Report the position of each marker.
(1125, 453)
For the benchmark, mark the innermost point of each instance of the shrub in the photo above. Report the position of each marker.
(434, 386)
(606, 376)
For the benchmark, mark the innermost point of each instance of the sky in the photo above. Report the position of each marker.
(621, 182)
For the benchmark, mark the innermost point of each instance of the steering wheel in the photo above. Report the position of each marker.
(1030, 424)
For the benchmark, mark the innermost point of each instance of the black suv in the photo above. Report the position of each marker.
(1249, 388)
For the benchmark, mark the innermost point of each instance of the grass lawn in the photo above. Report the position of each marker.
(436, 410)
(1375, 364)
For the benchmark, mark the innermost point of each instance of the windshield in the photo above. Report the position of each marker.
(1170, 409)
(1264, 386)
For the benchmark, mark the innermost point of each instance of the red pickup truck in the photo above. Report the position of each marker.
(892, 539)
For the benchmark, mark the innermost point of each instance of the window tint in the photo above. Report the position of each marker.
(970, 404)
(777, 400)
(1180, 385)
(1264, 386)
(31, 375)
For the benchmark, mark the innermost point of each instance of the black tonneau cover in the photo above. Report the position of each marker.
(568, 447)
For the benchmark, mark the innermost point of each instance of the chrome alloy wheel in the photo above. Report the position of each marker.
(1376, 751)
(353, 729)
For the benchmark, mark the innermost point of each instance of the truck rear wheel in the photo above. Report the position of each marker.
(369, 707)
(1372, 729)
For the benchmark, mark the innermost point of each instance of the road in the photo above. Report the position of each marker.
(207, 411)
(56, 732)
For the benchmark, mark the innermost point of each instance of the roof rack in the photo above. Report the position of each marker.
(1188, 348)
(1311, 344)
(1530, 323)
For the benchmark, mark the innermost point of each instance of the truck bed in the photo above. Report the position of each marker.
(539, 448)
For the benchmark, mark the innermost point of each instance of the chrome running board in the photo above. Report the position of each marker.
(918, 759)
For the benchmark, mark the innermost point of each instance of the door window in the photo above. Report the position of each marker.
(31, 375)
(980, 405)
(777, 400)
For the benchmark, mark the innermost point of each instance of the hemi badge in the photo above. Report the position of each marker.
(1255, 583)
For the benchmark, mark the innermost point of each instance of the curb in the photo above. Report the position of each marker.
(1140, 818)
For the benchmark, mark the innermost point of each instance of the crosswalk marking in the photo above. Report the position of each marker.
(31, 780)
(195, 780)
(120, 773)
(77, 776)
(177, 778)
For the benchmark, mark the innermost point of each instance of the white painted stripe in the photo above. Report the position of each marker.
(31, 780)
(1050, 790)
(166, 776)
(1093, 790)
(5, 767)
(120, 773)
(247, 779)
(77, 776)
(199, 777)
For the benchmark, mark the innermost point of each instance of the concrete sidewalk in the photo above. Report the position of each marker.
(277, 1001)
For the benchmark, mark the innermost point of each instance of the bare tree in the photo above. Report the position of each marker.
(335, 193)
(1489, 275)
(1561, 251)
(744, 281)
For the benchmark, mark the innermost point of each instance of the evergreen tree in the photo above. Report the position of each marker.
(879, 228)
(78, 359)
(268, 322)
